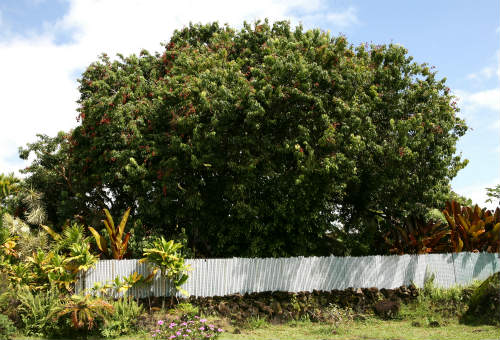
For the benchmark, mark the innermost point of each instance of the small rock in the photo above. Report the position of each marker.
(416, 324)
(434, 324)
(236, 331)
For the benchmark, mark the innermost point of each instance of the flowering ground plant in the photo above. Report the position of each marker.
(191, 329)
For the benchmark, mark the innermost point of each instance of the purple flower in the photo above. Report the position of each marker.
(172, 336)
(188, 330)
(184, 324)
(201, 328)
(154, 334)
(178, 333)
(203, 320)
(219, 330)
(196, 317)
(173, 324)
(185, 335)
(160, 322)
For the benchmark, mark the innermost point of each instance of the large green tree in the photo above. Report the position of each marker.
(258, 140)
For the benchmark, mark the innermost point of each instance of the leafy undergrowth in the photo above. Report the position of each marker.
(434, 315)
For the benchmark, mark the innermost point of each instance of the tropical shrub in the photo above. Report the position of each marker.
(166, 258)
(418, 237)
(7, 328)
(466, 229)
(484, 303)
(113, 288)
(124, 319)
(36, 310)
(472, 228)
(84, 311)
(196, 328)
(185, 310)
(117, 238)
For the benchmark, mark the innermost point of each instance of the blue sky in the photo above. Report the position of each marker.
(44, 45)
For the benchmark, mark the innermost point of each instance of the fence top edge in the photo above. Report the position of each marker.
(315, 257)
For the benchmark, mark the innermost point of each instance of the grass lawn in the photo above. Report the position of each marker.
(371, 328)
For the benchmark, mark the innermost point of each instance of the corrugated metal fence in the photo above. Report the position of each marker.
(218, 277)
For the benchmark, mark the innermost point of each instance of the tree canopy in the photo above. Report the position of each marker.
(256, 141)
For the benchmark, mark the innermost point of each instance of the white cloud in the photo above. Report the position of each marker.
(474, 101)
(343, 19)
(477, 193)
(485, 73)
(495, 125)
(38, 84)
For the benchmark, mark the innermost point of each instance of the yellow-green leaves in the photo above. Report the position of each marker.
(166, 258)
(117, 236)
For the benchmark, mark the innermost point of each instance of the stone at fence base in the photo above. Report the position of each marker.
(285, 306)
(387, 309)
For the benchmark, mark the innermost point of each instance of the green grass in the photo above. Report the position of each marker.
(371, 328)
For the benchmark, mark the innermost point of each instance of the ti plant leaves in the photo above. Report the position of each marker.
(418, 237)
(472, 228)
(117, 237)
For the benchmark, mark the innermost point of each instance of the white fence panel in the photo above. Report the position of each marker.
(218, 277)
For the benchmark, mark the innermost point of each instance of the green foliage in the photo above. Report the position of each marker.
(185, 310)
(255, 140)
(493, 194)
(7, 328)
(256, 322)
(35, 263)
(484, 303)
(456, 295)
(123, 320)
(36, 310)
(9, 186)
(165, 257)
(117, 238)
(114, 287)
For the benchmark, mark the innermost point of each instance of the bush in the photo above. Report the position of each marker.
(36, 312)
(7, 328)
(484, 304)
(185, 310)
(8, 298)
(124, 319)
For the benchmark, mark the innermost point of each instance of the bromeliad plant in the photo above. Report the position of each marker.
(117, 237)
(166, 258)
